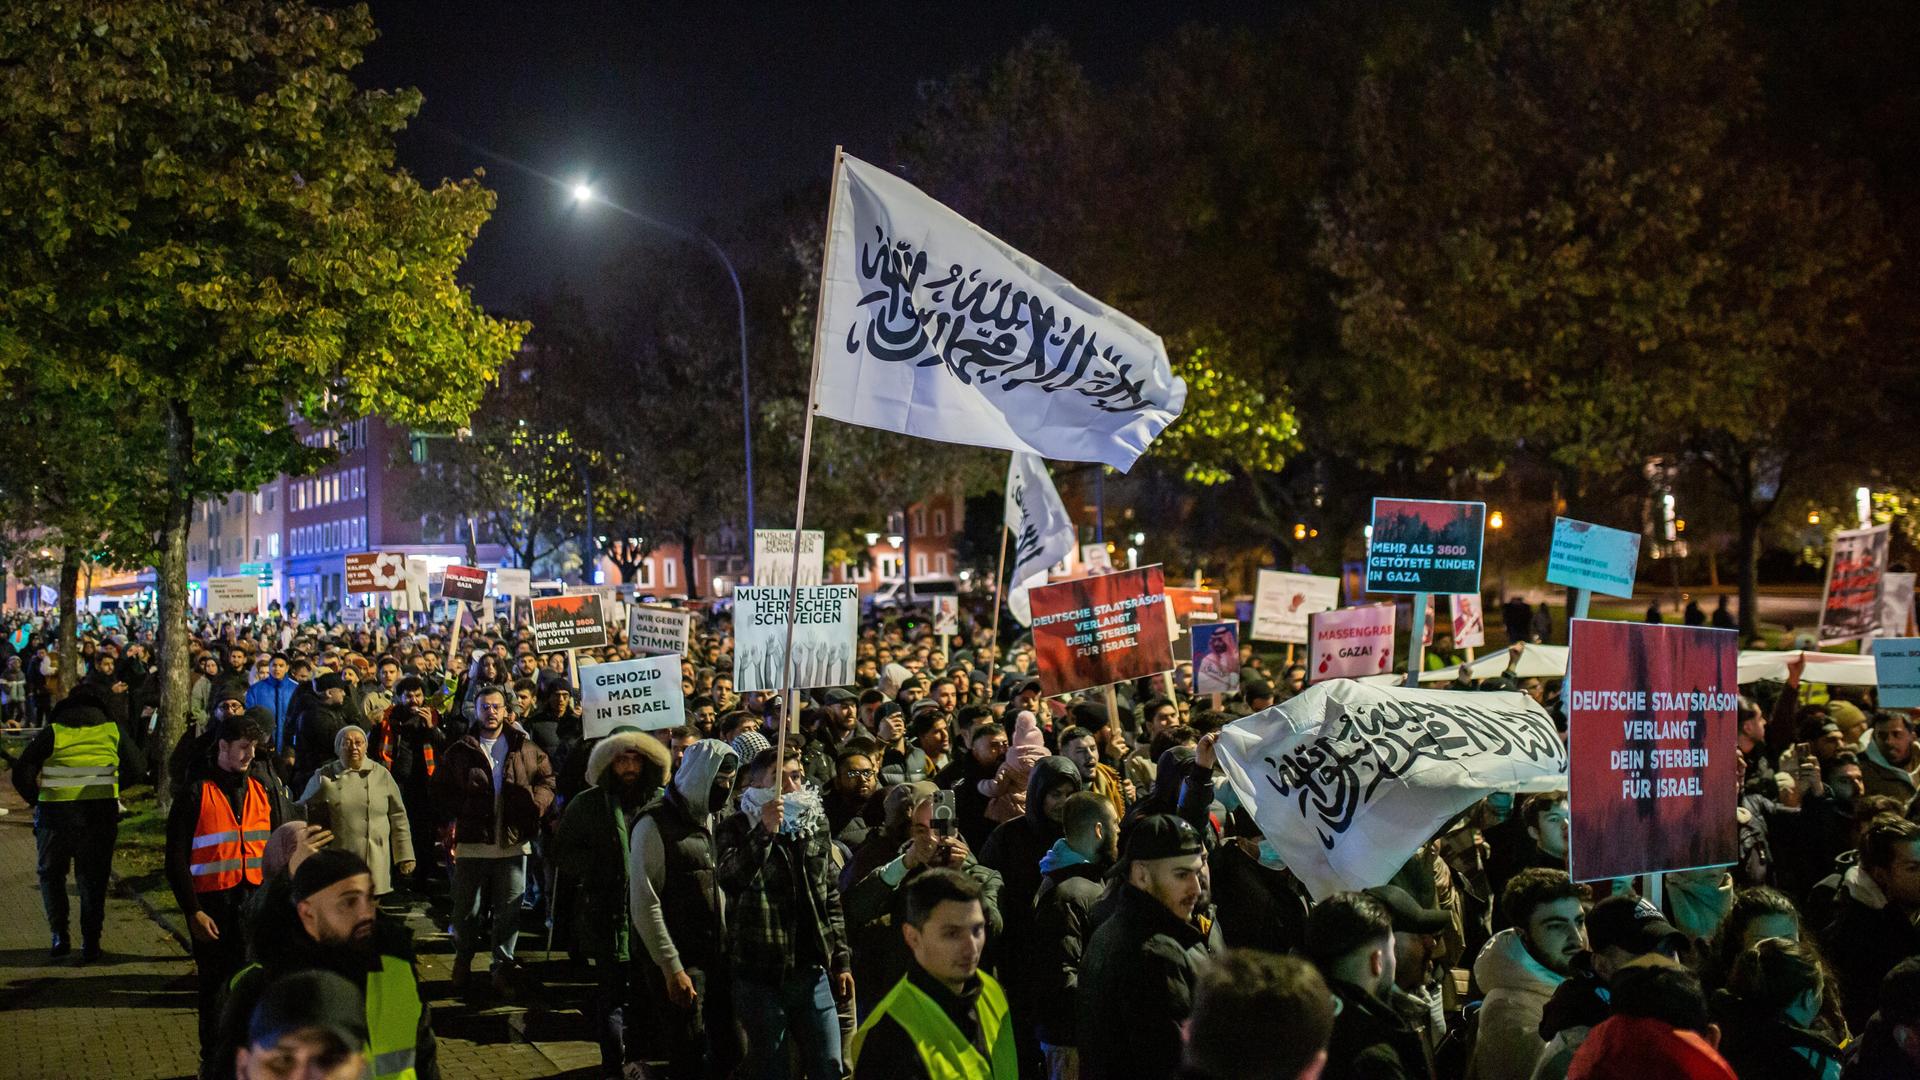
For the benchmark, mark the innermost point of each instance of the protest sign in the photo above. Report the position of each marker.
(417, 592)
(354, 615)
(1896, 668)
(1424, 546)
(773, 557)
(1096, 558)
(1347, 780)
(513, 582)
(653, 631)
(1348, 643)
(464, 583)
(1856, 565)
(1593, 557)
(1094, 631)
(826, 621)
(1216, 658)
(1896, 604)
(375, 571)
(1469, 622)
(240, 593)
(946, 615)
(1282, 603)
(1650, 716)
(109, 620)
(565, 623)
(1194, 605)
(642, 695)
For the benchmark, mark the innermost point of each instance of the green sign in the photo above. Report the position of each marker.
(261, 570)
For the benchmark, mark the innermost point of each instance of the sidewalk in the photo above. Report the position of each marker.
(131, 1016)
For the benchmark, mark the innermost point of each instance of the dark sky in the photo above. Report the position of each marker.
(691, 111)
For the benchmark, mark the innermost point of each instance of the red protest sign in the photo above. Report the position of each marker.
(1652, 782)
(467, 583)
(561, 623)
(1094, 631)
(1194, 605)
(376, 571)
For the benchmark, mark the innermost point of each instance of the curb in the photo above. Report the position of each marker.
(153, 913)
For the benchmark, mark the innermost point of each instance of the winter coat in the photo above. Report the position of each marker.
(1763, 1047)
(463, 790)
(880, 956)
(1865, 940)
(1878, 776)
(783, 900)
(679, 911)
(275, 696)
(1014, 851)
(1371, 1041)
(1136, 987)
(318, 723)
(363, 808)
(589, 848)
(1577, 1006)
(1641, 1048)
(1062, 923)
(1518, 988)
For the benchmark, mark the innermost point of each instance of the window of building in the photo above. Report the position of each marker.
(919, 563)
(940, 563)
(919, 521)
(645, 577)
(273, 545)
(256, 549)
(668, 566)
(269, 500)
(889, 566)
(939, 522)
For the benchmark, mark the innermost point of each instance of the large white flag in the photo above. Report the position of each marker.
(1042, 532)
(933, 327)
(1347, 780)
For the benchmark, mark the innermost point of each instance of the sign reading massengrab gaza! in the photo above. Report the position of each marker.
(1351, 643)
(1425, 546)
(826, 622)
(1348, 779)
(642, 694)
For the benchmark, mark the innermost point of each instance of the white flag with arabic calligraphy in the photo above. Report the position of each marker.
(933, 327)
(1043, 534)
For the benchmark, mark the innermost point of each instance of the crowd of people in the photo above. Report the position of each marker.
(944, 874)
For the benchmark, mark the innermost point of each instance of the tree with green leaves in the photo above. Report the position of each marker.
(205, 227)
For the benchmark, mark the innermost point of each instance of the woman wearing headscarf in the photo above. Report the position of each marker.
(359, 800)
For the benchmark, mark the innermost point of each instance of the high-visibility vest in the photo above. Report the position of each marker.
(85, 764)
(944, 1050)
(393, 1017)
(228, 852)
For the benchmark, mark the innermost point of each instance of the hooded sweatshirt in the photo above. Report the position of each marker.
(1015, 850)
(1518, 988)
(692, 788)
(1009, 787)
(1638, 1046)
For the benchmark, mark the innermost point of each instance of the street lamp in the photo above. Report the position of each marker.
(584, 194)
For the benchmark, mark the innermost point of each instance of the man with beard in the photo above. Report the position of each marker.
(340, 932)
(680, 912)
(850, 802)
(1072, 877)
(626, 769)
(1521, 968)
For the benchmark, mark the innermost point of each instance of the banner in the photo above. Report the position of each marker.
(1856, 566)
(946, 614)
(773, 557)
(375, 571)
(1650, 716)
(932, 327)
(1282, 602)
(826, 622)
(1896, 668)
(653, 631)
(561, 623)
(467, 584)
(1043, 534)
(1424, 546)
(240, 593)
(641, 695)
(1216, 658)
(1093, 631)
(1593, 557)
(513, 581)
(1896, 604)
(1347, 780)
(1469, 622)
(1349, 643)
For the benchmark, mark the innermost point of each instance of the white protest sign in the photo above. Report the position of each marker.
(1096, 558)
(1592, 557)
(240, 593)
(946, 614)
(653, 631)
(513, 581)
(773, 557)
(826, 621)
(642, 694)
(1348, 779)
(1896, 604)
(417, 594)
(1282, 602)
(1469, 622)
(1351, 643)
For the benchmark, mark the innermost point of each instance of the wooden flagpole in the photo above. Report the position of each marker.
(790, 720)
(999, 594)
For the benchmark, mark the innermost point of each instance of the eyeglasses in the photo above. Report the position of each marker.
(860, 774)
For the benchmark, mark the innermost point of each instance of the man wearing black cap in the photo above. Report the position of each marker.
(1136, 980)
(1620, 929)
(341, 932)
(311, 1025)
(1350, 939)
(317, 719)
(1418, 963)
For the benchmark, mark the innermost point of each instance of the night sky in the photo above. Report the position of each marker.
(691, 112)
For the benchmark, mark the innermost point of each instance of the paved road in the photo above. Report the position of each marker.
(131, 1016)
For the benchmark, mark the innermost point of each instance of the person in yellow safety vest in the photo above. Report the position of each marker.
(311, 1025)
(340, 931)
(945, 1019)
(70, 774)
(216, 845)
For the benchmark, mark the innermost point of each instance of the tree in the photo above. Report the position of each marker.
(1572, 239)
(204, 224)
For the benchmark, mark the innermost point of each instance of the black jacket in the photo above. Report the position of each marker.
(1371, 1041)
(1763, 1047)
(1136, 988)
(1062, 922)
(1015, 850)
(1260, 907)
(82, 708)
(1862, 945)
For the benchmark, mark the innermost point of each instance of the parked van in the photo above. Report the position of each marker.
(892, 592)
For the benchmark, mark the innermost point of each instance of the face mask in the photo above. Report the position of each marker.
(1270, 856)
(1228, 798)
(1844, 790)
(717, 794)
(1501, 803)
